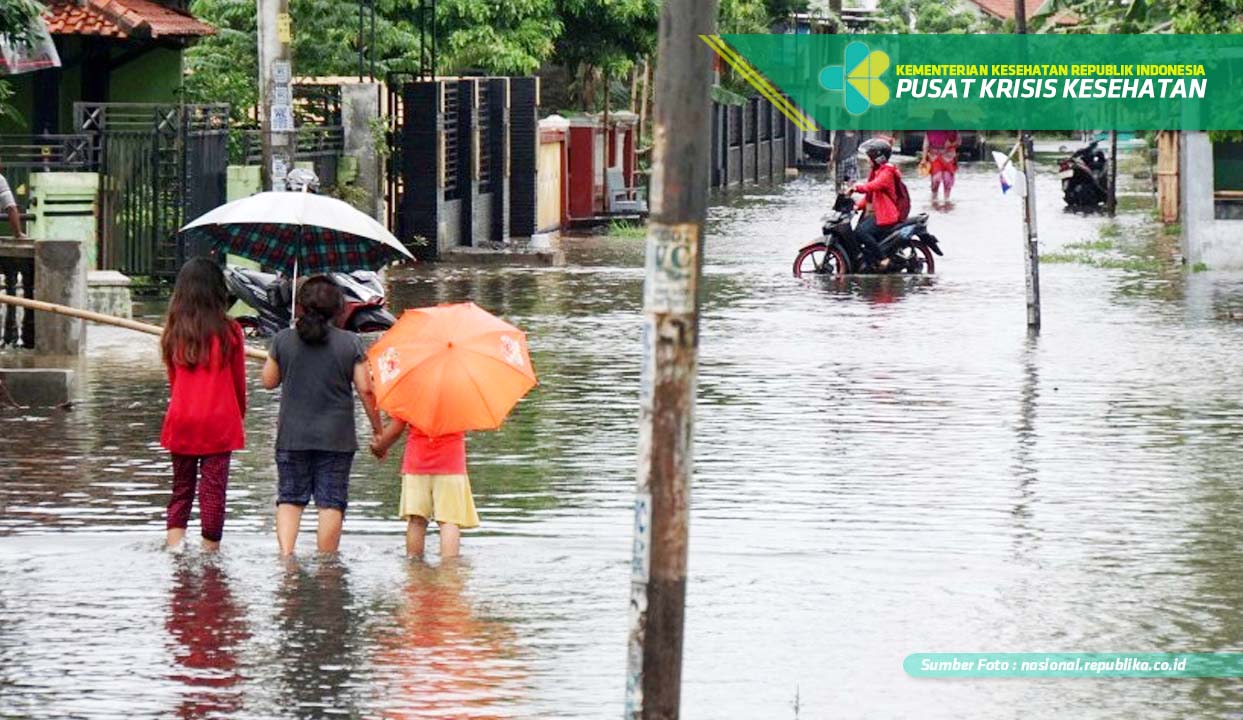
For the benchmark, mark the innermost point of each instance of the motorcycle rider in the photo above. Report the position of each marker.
(885, 203)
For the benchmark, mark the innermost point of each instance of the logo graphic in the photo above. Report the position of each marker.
(757, 80)
(858, 78)
(512, 351)
(390, 366)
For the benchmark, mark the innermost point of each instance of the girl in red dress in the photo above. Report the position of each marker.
(205, 357)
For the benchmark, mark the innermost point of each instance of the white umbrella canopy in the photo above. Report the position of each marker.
(302, 231)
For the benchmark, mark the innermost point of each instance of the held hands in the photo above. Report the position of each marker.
(378, 449)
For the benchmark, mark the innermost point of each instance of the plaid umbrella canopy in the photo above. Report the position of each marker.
(298, 233)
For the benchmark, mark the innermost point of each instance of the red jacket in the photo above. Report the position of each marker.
(881, 192)
(207, 403)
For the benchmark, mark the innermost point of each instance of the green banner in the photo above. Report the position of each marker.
(1074, 665)
(1033, 82)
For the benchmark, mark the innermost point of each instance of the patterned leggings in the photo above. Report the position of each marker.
(211, 474)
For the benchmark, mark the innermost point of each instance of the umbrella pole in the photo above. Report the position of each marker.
(293, 293)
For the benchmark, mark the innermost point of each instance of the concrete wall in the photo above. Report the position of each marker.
(155, 77)
(360, 105)
(1205, 240)
(65, 207)
(242, 181)
(60, 277)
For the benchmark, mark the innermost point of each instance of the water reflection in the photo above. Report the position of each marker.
(207, 627)
(874, 289)
(443, 659)
(320, 638)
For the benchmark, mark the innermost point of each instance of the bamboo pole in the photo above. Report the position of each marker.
(142, 327)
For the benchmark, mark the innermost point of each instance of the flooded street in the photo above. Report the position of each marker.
(884, 466)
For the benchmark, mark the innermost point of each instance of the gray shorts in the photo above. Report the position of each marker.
(322, 474)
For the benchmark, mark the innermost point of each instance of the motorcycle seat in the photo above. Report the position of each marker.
(920, 219)
(257, 276)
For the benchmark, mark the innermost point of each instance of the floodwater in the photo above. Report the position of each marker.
(883, 467)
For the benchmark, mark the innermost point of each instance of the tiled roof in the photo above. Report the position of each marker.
(1004, 10)
(67, 17)
(121, 19)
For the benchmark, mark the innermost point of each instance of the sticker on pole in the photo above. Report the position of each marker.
(282, 119)
(672, 259)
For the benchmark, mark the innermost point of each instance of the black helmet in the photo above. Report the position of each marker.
(877, 148)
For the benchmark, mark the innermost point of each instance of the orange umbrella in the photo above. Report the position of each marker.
(451, 368)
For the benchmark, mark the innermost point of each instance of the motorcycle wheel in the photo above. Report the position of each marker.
(250, 326)
(820, 259)
(922, 254)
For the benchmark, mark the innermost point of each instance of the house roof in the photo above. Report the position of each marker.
(121, 19)
(1004, 10)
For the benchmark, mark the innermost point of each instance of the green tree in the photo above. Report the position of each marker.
(603, 38)
(500, 37)
(926, 16)
(16, 19)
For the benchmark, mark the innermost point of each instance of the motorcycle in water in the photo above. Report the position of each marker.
(270, 296)
(1085, 177)
(909, 247)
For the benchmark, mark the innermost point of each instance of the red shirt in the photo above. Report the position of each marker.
(207, 403)
(441, 455)
(882, 194)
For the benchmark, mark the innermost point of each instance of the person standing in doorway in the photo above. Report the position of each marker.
(319, 367)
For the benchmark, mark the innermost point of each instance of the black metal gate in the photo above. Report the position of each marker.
(160, 165)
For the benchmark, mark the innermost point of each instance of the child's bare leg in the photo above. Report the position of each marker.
(211, 545)
(328, 534)
(450, 540)
(174, 537)
(288, 517)
(416, 536)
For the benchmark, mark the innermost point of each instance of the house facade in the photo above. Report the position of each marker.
(111, 51)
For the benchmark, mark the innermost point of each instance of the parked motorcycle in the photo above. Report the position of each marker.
(270, 296)
(909, 247)
(1085, 177)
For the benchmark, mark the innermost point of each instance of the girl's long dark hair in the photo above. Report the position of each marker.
(320, 300)
(196, 314)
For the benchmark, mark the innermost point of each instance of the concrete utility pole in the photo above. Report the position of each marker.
(679, 191)
(1031, 248)
(276, 92)
(1113, 171)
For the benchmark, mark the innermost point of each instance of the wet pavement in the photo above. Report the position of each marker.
(884, 466)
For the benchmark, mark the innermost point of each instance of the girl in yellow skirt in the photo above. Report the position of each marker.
(434, 486)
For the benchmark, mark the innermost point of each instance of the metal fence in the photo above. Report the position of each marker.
(159, 165)
(322, 145)
(750, 143)
(23, 155)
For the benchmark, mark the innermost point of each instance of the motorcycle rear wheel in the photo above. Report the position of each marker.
(820, 259)
(924, 254)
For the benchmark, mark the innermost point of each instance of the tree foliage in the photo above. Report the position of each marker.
(927, 16)
(592, 39)
(1143, 16)
(16, 18)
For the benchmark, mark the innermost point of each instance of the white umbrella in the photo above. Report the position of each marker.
(299, 232)
(303, 210)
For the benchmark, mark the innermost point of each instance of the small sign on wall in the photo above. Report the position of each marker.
(284, 28)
